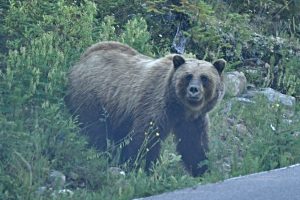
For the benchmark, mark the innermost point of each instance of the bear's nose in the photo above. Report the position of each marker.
(193, 90)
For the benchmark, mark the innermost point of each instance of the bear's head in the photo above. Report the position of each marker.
(198, 84)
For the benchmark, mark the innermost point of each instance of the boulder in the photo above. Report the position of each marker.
(57, 179)
(235, 83)
(273, 96)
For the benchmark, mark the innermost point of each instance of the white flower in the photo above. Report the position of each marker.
(272, 127)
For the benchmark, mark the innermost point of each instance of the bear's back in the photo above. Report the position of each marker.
(110, 46)
(115, 75)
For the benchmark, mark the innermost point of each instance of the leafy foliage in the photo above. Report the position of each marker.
(274, 15)
(252, 137)
(284, 76)
(137, 35)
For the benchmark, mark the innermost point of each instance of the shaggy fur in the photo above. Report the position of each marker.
(172, 92)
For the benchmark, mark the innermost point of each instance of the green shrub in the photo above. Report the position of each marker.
(107, 30)
(27, 20)
(252, 137)
(37, 135)
(136, 35)
(284, 76)
(270, 16)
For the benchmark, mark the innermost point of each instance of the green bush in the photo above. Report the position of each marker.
(37, 135)
(269, 16)
(286, 79)
(25, 21)
(136, 35)
(252, 137)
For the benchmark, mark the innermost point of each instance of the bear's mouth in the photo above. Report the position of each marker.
(195, 101)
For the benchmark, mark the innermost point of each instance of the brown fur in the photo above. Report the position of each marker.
(108, 46)
(135, 90)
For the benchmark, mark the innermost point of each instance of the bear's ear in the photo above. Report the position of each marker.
(178, 61)
(220, 65)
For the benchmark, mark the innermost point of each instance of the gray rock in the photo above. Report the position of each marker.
(244, 100)
(297, 134)
(116, 171)
(66, 192)
(235, 83)
(250, 86)
(61, 194)
(57, 179)
(272, 95)
(275, 96)
(240, 100)
(41, 190)
(241, 129)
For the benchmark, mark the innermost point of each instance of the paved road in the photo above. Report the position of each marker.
(279, 184)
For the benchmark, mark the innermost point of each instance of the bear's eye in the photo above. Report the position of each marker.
(204, 80)
(189, 77)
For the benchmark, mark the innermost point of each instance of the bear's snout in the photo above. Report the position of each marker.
(194, 92)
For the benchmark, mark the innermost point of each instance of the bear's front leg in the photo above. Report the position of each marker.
(193, 144)
(142, 147)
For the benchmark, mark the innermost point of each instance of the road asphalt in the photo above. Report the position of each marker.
(278, 184)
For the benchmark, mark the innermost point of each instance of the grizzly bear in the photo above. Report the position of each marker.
(138, 95)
